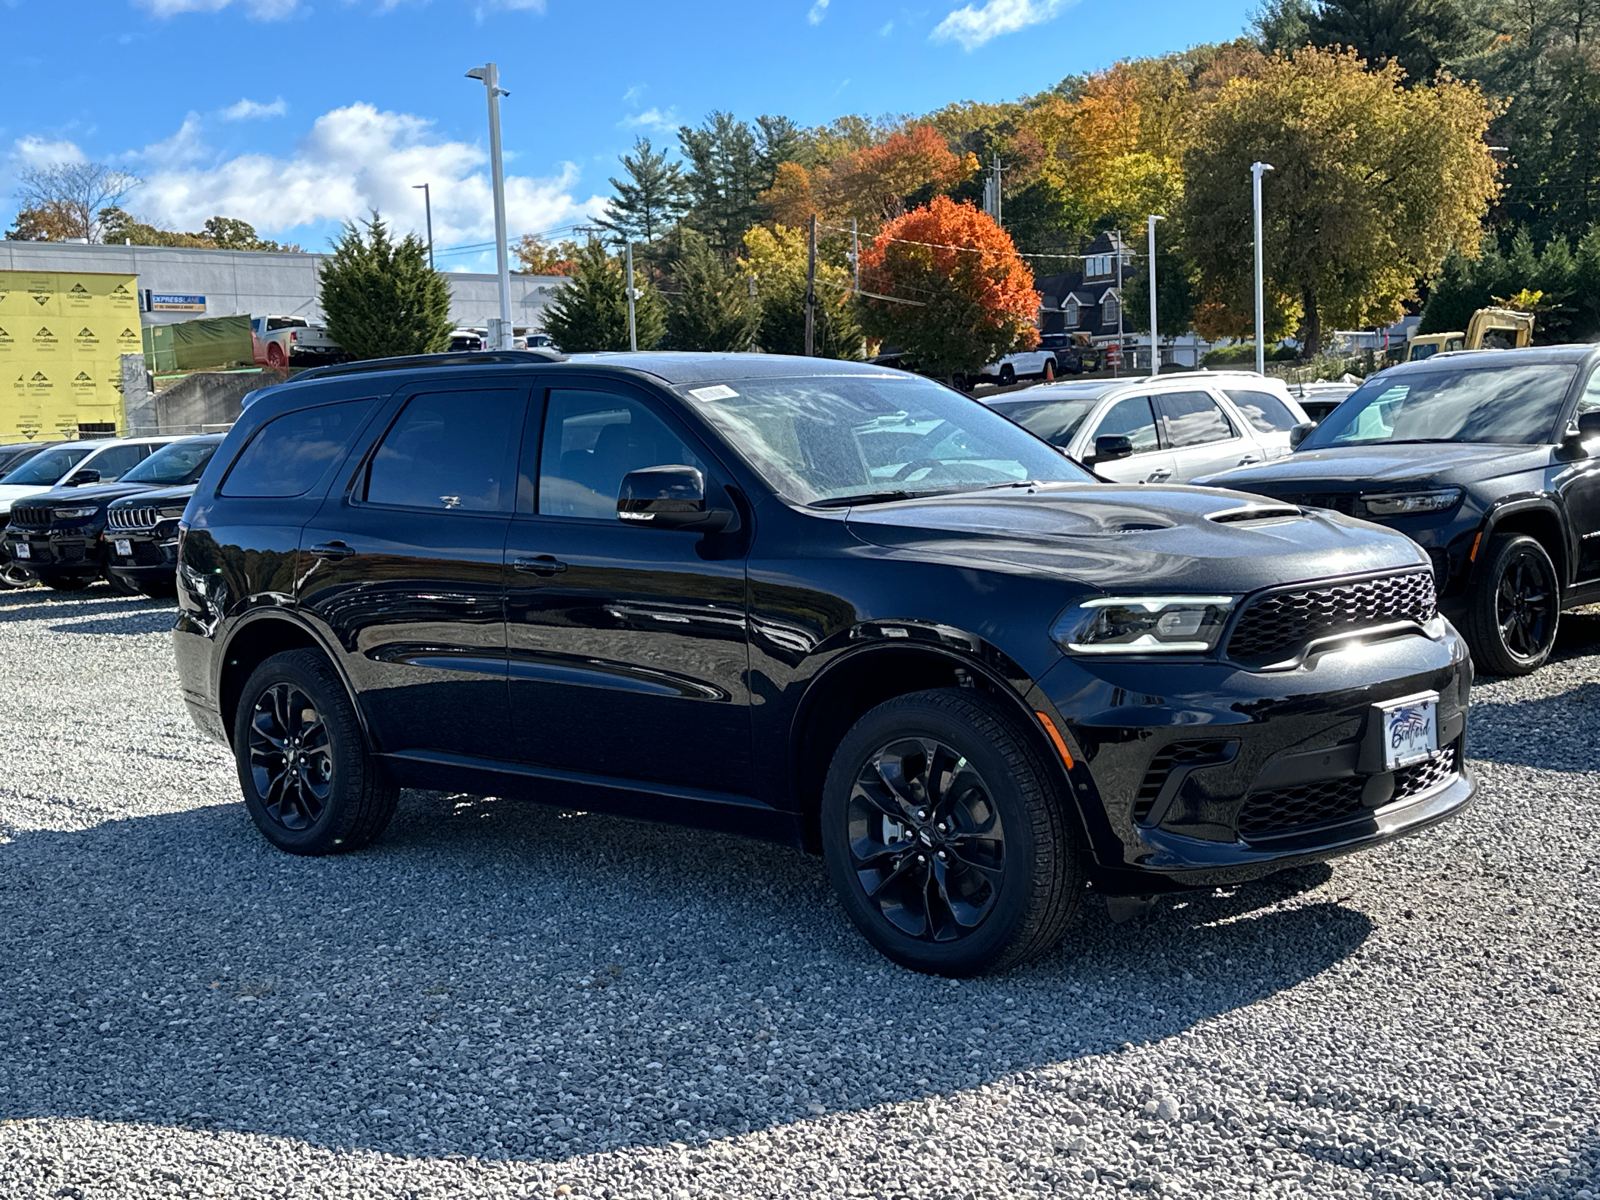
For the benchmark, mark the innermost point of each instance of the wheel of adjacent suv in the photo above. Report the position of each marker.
(1515, 607)
(1008, 375)
(309, 781)
(944, 837)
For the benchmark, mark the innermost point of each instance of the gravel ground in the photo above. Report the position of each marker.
(500, 1000)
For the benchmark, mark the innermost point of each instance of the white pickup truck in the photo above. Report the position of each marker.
(281, 342)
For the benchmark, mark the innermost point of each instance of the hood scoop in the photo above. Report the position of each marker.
(1255, 512)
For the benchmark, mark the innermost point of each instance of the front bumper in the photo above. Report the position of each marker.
(154, 554)
(55, 551)
(1201, 774)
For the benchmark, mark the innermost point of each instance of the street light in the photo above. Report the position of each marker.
(490, 75)
(427, 207)
(1155, 353)
(1256, 171)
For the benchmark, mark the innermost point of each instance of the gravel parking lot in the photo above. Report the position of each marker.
(501, 1000)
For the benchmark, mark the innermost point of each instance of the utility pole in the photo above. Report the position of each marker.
(1155, 345)
(490, 75)
(855, 253)
(1256, 171)
(427, 207)
(1116, 369)
(633, 324)
(993, 190)
(811, 289)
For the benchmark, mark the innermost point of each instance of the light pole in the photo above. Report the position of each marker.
(427, 208)
(1116, 368)
(1155, 352)
(1256, 171)
(633, 324)
(490, 75)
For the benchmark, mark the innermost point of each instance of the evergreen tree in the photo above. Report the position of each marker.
(1421, 35)
(591, 311)
(650, 201)
(724, 180)
(714, 308)
(381, 298)
(780, 140)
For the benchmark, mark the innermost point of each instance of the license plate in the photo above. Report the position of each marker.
(22, 550)
(124, 547)
(1410, 731)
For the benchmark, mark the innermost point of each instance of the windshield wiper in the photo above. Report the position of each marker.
(879, 497)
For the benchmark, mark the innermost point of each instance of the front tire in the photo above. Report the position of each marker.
(944, 836)
(1516, 607)
(309, 781)
(1008, 375)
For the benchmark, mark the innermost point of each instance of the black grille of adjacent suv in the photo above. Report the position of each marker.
(132, 518)
(1278, 625)
(30, 516)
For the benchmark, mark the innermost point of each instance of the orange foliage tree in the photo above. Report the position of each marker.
(973, 296)
(871, 184)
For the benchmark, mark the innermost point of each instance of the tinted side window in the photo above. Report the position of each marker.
(1263, 410)
(289, 453)
(1133, 418)
(1590, 400)
(1193, 419)
(117, 461)
(591, 440)
(449, 450)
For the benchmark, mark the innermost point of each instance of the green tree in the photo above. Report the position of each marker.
(591, 311)
(780, 140)
(715, 308)
(1283, 24)
(380, 296)
(777, 258)
(1421, 35)
(725, 179)
(1177, 293)
(650, 201)
(1374, 184)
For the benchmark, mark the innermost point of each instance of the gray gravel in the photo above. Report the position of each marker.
(500, 1000)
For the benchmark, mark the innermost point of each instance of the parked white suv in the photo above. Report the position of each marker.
(1166, 429)
(98, 460)
(1024, 364)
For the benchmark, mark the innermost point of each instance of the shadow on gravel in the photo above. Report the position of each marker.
(510, 981)
(1551, 732)
(34, 604)
(143, 619)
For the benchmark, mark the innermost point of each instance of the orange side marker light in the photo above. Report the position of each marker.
(1473, 557)
(1055, 736)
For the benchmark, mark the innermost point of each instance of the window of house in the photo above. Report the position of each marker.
(1108, 309)
(448, 451)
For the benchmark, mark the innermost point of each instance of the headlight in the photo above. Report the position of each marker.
(74, 514)
(1404, 504)
(1145, 624)
(171, 514)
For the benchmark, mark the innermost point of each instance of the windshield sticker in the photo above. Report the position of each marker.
(719, 391)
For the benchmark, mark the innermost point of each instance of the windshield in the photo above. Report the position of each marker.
(1516, 404)
(865, 437)
(1056, 421)
(48, 468)
(181, 462)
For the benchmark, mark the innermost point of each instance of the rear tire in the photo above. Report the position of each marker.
(1515, 607)
(309, 780)
(1008, 375)
(945, 838)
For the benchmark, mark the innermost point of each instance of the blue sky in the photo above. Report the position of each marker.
(295, 115)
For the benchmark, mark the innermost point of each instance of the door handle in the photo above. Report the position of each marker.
(1248, 459)
(1158, 476)
(333, 550)
(540, 564)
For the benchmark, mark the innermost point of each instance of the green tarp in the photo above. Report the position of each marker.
(190, 345)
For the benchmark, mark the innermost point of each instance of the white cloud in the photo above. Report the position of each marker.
(179, 150)
(36, 152)
(634, 94)
(652, 118)
(355, 159)
(972, 27)
(888, 28)
(818, 11)
(254, 110)
(262, 10)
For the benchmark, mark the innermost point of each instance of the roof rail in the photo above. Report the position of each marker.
(449, 358)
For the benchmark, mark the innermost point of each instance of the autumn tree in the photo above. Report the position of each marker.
(650, 201)
(776, 258)
(1373, 185)
(961, 296)
(380, 296)
(218, 233)
(539, 257)
(590, 312)
(73, 195)
(875, 183)
(714, 307)
(49, 224)
(790, 200)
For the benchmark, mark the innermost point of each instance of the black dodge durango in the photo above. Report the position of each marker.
(821, 602)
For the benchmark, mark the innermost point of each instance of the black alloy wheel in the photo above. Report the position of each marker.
(946, 838)
(309, 781)
(1516, 607)
(1008, 375)
(15, 575)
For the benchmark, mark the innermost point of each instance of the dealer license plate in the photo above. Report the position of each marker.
(22, 550)
(124, 547)
(1410, 731)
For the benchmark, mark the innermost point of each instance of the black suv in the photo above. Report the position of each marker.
(65, 528)
(821, 602)
(1486, 459)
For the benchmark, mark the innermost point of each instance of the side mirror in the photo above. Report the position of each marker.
(669, 497)
(79, 478)
(1300, 433)
(1584, 430)
(1109, 447)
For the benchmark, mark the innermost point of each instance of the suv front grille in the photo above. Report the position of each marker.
(1426, 776)
(133, 518)
(1171, 757)
(1284, 809)
(1348, 503)
(31, 516)
(1279, 625)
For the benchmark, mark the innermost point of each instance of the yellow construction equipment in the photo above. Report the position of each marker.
(1489, 329)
